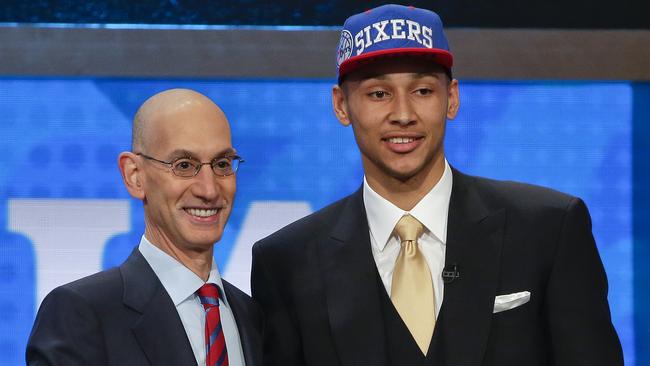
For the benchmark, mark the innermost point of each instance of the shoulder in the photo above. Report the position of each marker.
(77, 308)
(308, 227)
(99, 288)
(70, 326)
(516, 195)
(528, 208)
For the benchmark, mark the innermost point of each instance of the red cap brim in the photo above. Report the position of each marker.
(439, 56)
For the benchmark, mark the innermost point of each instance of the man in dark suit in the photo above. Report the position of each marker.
(166, 304)
(425, 265)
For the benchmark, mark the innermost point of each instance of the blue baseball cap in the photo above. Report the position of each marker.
(391, 30)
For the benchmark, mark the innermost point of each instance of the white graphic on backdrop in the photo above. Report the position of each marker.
(68, 236)
(262, 219)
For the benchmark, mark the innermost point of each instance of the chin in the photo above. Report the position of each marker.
(203, 241)
(403, 173)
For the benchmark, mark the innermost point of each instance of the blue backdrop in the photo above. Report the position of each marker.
(64, 212)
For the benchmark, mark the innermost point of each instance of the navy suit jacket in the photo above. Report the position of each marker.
(124, 316)
(316, 281)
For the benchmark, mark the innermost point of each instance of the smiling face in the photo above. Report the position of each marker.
(398, 108)
(185, 214)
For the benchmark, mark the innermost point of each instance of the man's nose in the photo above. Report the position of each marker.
(402, 111)
(205, 184)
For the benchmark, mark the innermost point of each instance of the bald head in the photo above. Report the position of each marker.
(158, 108)
(184, 214)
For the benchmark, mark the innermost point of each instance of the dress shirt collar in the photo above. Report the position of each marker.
(431, 211)
(179, 281)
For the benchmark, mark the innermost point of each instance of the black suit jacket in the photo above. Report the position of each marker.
(317, 283)
(124, 316)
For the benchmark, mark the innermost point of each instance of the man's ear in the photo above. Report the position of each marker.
(453, 99)
(132, 174)
(340, 105)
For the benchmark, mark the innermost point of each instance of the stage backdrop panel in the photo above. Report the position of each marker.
(65, 214)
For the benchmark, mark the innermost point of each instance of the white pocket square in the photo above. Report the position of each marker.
(510, 301)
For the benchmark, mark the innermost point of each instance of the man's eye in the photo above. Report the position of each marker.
(223, 163)
(379, 94)
(424, 91)
(184, 165)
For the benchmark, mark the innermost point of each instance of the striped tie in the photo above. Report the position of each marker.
(215, 342)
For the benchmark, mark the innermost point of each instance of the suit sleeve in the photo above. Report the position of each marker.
(580, 326)
(282, 344)
(66, 332)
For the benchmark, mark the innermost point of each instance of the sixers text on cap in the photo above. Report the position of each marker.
(392, 30)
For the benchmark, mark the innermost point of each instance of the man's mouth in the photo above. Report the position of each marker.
(401, 140)
(202, 212)
(403, 144)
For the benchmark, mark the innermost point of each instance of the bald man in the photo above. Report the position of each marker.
(166, 304)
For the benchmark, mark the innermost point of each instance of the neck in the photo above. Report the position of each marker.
(197, 261)
(405, 194)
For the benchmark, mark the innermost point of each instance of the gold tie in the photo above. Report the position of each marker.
(412, 289)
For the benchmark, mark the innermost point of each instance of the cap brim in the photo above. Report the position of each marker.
(438, 56)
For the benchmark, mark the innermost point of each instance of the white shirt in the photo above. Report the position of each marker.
(181, 284)
(431, 211)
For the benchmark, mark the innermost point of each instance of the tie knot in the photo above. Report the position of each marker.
(408, 228)
(209, 295)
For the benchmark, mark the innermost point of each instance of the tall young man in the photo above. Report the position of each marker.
(425, 265)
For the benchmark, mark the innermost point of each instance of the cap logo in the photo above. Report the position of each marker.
(345, 47)
(392, 29)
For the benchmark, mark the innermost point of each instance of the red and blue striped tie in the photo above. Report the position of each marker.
(215, 342)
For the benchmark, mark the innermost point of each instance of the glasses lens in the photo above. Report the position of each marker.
(226, 165)
(185, 167)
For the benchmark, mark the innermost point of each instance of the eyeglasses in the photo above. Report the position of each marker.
(189, 167)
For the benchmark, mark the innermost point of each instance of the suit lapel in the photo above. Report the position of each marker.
(350, 280)
(474, 238)
(159, 330)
